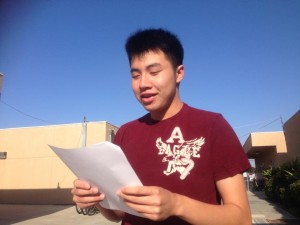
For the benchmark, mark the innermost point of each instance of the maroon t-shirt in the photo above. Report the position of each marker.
(185, 154)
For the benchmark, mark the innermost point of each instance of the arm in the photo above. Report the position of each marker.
(235, 209)
(158, 204)
(85, 195)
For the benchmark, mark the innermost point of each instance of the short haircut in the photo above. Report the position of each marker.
(143, 41)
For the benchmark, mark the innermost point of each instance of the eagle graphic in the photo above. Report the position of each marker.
(180, 157)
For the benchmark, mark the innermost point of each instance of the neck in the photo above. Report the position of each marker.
(164, 114)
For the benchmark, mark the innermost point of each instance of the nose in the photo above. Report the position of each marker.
(144, 82)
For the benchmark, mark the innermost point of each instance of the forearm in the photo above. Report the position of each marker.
(112, 215)
(158, 204)
(195, 212)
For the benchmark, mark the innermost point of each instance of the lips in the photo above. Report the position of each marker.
(147, 98)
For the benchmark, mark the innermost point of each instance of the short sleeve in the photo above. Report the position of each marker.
(228, 155)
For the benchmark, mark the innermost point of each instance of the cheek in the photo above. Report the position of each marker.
(167, 84)
(135, 88)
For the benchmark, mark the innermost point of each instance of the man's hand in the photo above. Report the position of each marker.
(154, 203)
(85, 195)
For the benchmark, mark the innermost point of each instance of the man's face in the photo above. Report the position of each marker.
(154, 83)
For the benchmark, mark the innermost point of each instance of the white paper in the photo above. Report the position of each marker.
(105, 166)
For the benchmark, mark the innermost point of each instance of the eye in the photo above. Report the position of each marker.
(135, 76)
(155, 72)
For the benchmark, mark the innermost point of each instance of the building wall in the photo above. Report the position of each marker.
(32, 173)
(292, 135)
(266, 158)
(275, 148)
(270, 139)
(267, 148)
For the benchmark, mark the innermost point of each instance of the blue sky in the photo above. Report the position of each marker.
(63, 60)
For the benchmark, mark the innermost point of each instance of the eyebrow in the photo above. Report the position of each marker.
(148, 67)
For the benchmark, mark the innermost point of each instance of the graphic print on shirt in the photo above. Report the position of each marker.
(179, 153)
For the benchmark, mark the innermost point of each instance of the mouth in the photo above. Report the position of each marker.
(147, 98)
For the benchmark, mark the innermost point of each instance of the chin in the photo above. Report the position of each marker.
(149, 107)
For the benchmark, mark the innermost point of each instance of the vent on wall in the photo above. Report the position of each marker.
(3, 155)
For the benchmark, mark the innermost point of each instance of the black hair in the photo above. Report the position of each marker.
(146, 40)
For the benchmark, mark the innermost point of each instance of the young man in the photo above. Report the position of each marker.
(189, 160)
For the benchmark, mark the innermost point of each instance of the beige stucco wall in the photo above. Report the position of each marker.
(275, 148)
(292, 133)
(267, 148)
(31, 166)
(270, 139)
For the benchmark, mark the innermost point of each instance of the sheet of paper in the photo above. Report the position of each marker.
(105, 166)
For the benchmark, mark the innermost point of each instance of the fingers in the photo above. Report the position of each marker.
(83, 192)
(141, 196)
(83, 188)
(139, 190)
(81, 184)
(153, 202)
(85, 202)
(150, 212)
(85, 195)
(136, 195)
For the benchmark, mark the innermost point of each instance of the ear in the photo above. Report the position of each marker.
(179, 73)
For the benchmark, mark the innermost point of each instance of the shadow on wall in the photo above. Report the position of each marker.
(37, 196)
